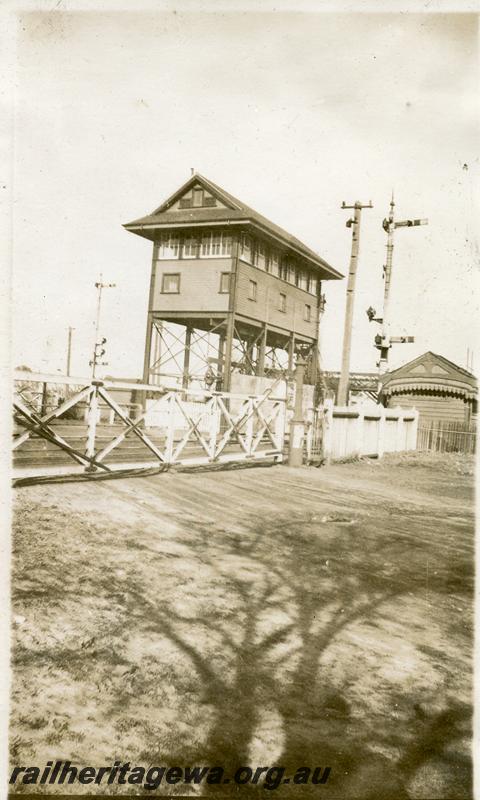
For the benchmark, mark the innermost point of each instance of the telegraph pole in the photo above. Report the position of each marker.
(383, 340)
(98, 350)
(69, 348)
(297, 424)
(342, 395)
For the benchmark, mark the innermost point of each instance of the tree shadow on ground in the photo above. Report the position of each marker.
(291, 598)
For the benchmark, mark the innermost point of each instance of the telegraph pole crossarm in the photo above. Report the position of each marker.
(354, 223)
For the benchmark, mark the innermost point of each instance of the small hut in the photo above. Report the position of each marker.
(441, 390)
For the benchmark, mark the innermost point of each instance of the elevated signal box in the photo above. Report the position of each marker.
(230, 291)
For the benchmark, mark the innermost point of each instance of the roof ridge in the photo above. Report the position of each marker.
(254, 217)
(234, 200)
(260, 217)
(452, 364)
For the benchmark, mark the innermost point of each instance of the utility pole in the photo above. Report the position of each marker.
(320, 386)
(69, 348)
(98, 349)
(297, 424)
(469, 359)
(383, 340)
(342, 395)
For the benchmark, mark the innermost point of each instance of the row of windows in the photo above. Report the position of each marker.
(256, 253)
(205, 246)
(282, 301)
(216, 245)
(171, 285)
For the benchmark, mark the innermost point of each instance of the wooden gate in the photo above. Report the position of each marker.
(100, 428)
(314, 438)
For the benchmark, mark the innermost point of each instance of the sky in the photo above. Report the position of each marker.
(291, 112)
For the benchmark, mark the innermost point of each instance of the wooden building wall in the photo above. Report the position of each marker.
(200, 291)
(199, 285)
(266, 308)
(432, 406)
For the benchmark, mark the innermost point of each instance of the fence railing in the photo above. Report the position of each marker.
(440, 436)
(104, 426)
(64, 425)
(352, 431)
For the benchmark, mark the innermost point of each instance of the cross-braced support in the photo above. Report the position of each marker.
(176, 427)
(184, 352)
(204, 352)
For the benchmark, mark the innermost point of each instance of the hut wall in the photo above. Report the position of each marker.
(433, 406)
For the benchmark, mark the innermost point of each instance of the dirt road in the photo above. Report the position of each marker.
(266, 616)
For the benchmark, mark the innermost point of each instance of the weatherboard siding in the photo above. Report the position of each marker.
(266, 308)
(448, 408)
(199, 285)
(199, 291)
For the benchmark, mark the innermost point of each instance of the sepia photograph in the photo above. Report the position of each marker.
(241, 326)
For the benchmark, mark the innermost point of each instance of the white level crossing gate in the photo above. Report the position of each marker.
(61, 427)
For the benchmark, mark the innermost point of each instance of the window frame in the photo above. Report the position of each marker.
(173, 241)
(301, 279)
(282, 302)
(252, 290)
(246, 244)
(261, 256)
(197, 194)
(223, 244)
(196, 246)
(170, 275)
(307, 312)
(313, 284)
(228, 277)
(274, 263)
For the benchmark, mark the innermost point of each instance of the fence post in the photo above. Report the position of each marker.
(214, 426)
(297, 425)
(327, 430)
(280, 423)
(44, 403)
(309, 439)
(399, 429)
(359, 432)
(440, 438)
(92, 416)
(381, 432)
(249, 425)
(170, 429)
(414, 432)
(412, 443)
(405, 430)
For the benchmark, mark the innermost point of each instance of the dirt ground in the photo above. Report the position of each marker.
(264, 616)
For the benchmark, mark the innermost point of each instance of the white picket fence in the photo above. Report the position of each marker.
(108, 426)
(353, 431)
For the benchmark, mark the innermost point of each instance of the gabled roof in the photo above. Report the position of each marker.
(233, 212)
(430, 372)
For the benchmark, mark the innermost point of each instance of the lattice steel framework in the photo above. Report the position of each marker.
(207, 356)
